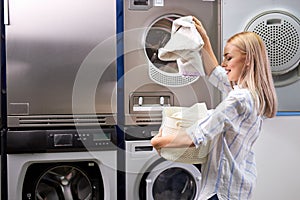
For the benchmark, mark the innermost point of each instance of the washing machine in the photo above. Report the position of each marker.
(62, 164)
(149, 176)
(278, 23)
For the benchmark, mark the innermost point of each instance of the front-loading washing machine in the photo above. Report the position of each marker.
(278, 24)
(61, 164)
(149, 176)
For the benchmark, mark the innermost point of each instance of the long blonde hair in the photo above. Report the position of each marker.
(256, 74)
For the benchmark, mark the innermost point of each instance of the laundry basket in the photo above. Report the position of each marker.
(180, 118)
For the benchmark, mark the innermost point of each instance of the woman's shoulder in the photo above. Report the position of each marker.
(240, 93)
(241, 97)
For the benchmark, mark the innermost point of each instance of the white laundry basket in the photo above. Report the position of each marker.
(176, 118)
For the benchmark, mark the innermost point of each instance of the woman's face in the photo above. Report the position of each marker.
(233, 62)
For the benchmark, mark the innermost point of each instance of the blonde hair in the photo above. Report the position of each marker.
(256, 74)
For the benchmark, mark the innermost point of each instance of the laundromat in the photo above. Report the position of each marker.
(150, 99)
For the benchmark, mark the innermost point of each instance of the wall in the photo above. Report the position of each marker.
(278, 161)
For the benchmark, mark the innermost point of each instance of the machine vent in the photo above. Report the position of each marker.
(148, 121)
(281, 32)
(59, 120)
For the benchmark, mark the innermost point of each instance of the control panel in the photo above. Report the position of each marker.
(145, 4)
(85, 139)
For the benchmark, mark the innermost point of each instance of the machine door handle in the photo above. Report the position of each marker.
(6, 12)
(149, 185)
(143, 148)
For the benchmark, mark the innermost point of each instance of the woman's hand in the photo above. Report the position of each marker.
(201, 30)
(179, 139)
(208, 57)
(156, 140)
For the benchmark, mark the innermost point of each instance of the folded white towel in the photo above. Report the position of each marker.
(184, 46)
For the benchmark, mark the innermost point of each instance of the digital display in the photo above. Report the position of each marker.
(63, 140)
(101, 136)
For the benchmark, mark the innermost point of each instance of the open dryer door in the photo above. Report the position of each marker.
(165, 73)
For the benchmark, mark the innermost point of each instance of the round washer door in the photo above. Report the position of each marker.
(165, 73)
(171, 180)
(62, 181)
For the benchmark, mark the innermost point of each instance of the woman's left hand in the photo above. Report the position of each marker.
(179, 139)
(155, 140)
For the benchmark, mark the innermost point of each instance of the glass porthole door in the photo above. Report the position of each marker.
(172, 181)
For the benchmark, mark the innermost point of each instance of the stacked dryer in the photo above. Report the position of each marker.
(278, 23)
(150, 85)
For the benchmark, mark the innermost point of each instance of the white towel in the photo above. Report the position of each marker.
(184, 46)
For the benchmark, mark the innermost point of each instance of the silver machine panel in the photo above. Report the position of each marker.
(149, 83)
(278, 24)
(61, 66)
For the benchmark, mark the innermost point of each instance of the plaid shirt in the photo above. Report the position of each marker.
(230, 130)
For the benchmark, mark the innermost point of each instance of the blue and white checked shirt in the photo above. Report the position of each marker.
(230, 130)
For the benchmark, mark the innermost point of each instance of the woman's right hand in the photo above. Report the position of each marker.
(201, 30)
(208, 57)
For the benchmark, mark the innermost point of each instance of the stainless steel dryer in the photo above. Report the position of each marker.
(278, 23)
(61, 65)
(149, 83)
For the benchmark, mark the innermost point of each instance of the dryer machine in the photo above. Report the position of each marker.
(278, 23)
(150, 83)
(61, 66)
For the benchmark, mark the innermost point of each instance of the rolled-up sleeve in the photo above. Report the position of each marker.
(227, 115)
(219, 79)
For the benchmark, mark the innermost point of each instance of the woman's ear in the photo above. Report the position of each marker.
(247, 62)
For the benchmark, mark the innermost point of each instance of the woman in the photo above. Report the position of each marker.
(232, 128)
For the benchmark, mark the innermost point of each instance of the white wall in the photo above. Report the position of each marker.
(278, 160)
